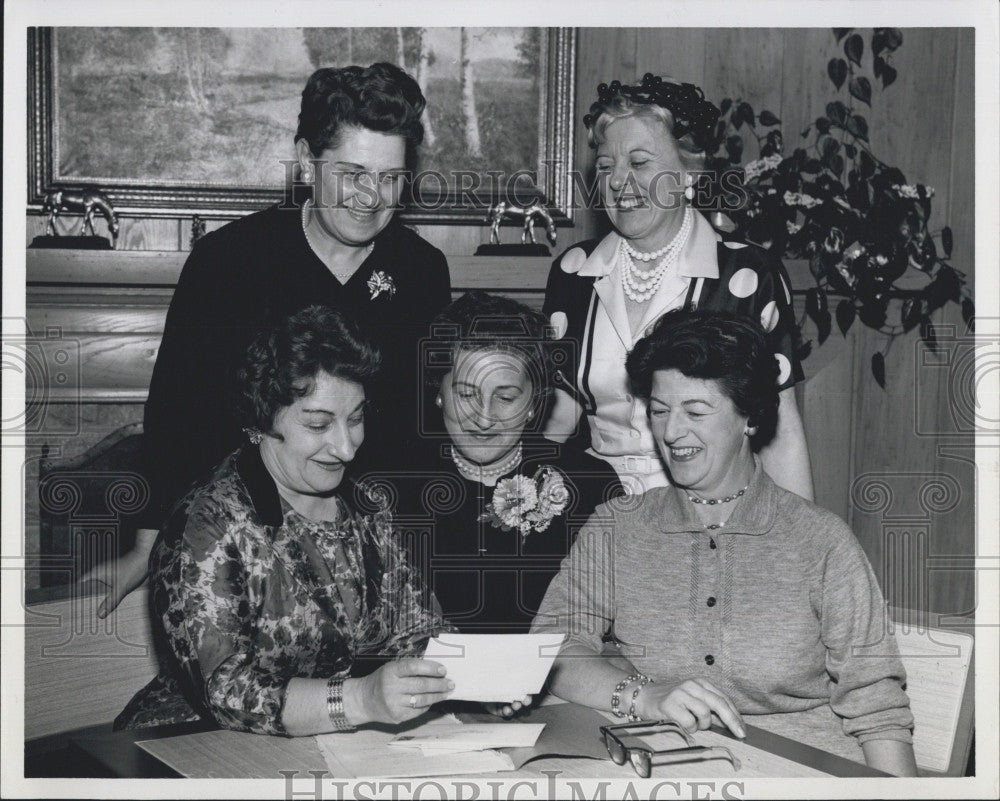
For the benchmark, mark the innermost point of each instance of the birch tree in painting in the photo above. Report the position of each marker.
(471, 119)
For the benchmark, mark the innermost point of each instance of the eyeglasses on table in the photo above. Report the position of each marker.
(641, 756)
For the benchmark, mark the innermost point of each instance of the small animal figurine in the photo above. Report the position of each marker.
(527, 213)
(80, 201)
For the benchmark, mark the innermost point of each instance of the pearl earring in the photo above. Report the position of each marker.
(438, 402)
(749, 431)
(689, 186)
(531, 414)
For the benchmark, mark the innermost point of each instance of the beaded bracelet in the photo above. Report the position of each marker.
(616, 696)
(335, 705)
(643, 681)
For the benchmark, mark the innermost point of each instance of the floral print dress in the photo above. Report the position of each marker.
(248, 594)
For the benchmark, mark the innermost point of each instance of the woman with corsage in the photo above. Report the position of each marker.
(604, 295)
(268, 588)
(730, 596)
(488, 506)
(358, 131)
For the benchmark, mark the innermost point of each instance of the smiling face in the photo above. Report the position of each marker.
(641, 180)
(320, 434)
(486, 399)
(700, 434)
(358, 183)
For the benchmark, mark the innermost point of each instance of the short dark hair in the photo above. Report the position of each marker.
(283, 361)
(479, 321)
(381, 97)
(728, 348)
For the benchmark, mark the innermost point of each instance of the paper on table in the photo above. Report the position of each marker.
(495, 668)
(469, 737)
(366, 754)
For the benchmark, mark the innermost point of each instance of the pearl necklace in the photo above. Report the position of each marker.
(714, 501)
(342, 275)
(476, 472)
(640, 285)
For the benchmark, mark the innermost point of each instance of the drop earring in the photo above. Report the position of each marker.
(438, 402)
(689, 186)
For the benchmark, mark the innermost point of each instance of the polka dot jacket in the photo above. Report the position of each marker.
(585, 305)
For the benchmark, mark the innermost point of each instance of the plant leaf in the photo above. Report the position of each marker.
(837, 112)
(861, 88)
(840, 33)
(866, 165)
(837, 70)
(829, 146)
(888, 75)
(767, 119)
(836, 164)
(845, 316)
(850, 150)
(878, 45)
(805, 132)
(745, 110)
(893, 38)
(927, 334)
(734, 147)
(823, 125)
(858, 126)
(812, 166)
(878, 369)
(910, 314)
(878, 63)
(725, 105)
(969, 314)
(854, 48)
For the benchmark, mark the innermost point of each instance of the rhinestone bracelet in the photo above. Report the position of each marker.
(335, 705)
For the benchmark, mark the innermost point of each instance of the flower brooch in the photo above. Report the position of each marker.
(379, 282)
(528, 504)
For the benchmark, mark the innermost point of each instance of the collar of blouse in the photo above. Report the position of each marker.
(755, 513)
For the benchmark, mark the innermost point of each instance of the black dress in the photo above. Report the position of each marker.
(487, 580)
(247, 276)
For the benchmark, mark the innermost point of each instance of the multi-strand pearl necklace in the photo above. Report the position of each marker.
(641, 285)
(476, 472)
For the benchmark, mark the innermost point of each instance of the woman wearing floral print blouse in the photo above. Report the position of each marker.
(269, 588)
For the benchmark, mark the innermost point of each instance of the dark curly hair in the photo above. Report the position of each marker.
(381, 97)
(730, 349)
(479, 321)
(283, 361)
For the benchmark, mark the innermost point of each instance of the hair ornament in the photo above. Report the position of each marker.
(692, 113)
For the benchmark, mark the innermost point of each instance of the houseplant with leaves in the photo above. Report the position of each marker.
(832, 201)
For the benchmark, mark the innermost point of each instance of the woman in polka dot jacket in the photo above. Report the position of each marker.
(604, 295)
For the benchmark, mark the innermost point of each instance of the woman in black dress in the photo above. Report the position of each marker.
(487, 507)
(358, 129)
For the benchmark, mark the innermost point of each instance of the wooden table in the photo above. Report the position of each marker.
(117, 755)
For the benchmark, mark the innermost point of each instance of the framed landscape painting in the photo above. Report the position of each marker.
(173, 121)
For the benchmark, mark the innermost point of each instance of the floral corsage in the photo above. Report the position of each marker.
(527, 504)
(379, 282)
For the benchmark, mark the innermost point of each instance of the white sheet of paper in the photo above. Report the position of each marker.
(470, 737)
(497, 668)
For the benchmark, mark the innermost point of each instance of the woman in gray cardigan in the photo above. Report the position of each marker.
(728, 595)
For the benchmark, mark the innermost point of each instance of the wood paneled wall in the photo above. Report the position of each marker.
(896, 463)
